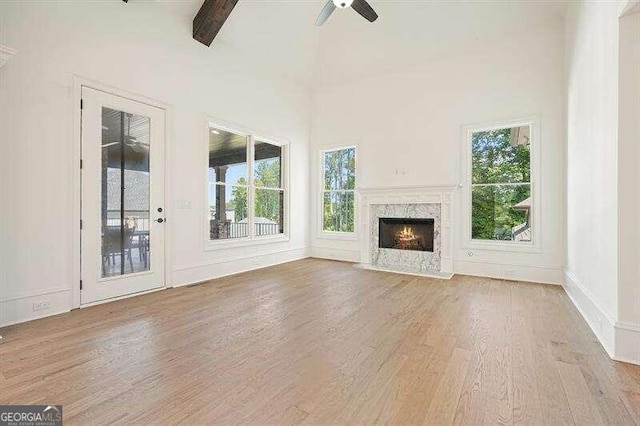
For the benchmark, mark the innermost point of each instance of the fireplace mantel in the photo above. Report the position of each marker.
(405, 195)
(409, 189)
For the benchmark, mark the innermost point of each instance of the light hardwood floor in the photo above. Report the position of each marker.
(317, 341)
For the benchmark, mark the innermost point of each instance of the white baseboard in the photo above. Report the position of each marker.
(192, 274)
(503, 271)
(19, 308)
(627, 343)
(336, 254)
(621, 340)
(602, 323)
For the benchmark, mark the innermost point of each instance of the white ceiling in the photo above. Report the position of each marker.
(279, 36)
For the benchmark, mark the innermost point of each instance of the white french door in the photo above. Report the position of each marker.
(122, 236)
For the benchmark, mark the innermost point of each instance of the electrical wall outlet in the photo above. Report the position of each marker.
(400, 172)
(41, 305)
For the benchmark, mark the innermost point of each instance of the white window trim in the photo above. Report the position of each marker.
(333, 235)
(250, 239)
(533, 246)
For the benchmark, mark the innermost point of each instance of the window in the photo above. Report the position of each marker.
(246, 186)
(268, 216)
(338, 194)
(501, 184)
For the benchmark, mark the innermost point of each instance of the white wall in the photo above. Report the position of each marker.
(628, 187)
(412, 120)
(592, 153)
(603, 81)
(144, 49)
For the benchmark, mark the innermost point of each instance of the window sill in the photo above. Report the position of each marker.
(343, 236)
(510, 246)
(212, 245)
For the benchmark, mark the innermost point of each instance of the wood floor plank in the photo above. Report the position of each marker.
(443, 406)
(499, 409)
(631, 401)
(527, 409)
(318, 341)
(583, 405)
(475, 389)
(614, 412)
(553, 399)
(598, 382)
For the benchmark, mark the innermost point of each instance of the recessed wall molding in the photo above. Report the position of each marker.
(5, 54)
(206, 271)
(20, 308)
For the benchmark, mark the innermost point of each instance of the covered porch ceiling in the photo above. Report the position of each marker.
(228, 148)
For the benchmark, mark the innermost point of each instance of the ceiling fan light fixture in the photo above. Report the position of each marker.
(343, 4)
(363, 8)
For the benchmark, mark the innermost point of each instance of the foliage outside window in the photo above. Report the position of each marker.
(338, 194)
(246, 198)
(501, 201)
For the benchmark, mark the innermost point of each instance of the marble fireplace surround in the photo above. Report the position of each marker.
(410, 202)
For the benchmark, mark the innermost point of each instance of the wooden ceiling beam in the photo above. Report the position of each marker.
(210, 19)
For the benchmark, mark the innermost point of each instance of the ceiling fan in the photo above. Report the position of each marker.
(360, 6)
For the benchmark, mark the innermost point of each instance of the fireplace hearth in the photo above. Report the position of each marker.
(406, 234)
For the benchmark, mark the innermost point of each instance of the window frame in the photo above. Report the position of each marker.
(337, 235)
(252, 136)
(468, 242)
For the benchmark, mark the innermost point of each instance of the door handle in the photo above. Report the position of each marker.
(160, 220)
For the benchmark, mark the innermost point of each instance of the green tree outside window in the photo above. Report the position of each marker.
(339, 175)
(501, 184)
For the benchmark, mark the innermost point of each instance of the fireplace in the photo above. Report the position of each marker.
(414, 207)
(406, 234)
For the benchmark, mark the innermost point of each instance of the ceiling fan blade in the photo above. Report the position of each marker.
(365, 10)
(326, 11)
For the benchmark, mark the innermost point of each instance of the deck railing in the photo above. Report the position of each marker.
(225, 230)
(141, 223)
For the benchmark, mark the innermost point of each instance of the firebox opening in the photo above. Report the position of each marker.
(406, 234)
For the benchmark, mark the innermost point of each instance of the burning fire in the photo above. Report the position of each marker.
(405, 239)
(406, 234)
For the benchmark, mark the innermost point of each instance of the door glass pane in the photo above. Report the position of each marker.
(125, 193)
(228, 183)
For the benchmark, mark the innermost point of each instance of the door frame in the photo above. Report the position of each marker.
(78, 83)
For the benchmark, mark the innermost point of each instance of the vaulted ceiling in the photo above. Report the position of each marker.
(279, 36)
